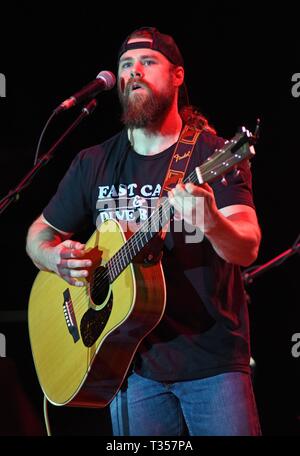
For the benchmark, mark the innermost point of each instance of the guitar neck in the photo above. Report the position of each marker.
(157, 220)
(218, 164)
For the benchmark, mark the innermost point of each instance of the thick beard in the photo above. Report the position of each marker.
(146, 110)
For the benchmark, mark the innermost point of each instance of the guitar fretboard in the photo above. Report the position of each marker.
(218, 164)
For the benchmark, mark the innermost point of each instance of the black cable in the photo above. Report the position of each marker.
(41, 137)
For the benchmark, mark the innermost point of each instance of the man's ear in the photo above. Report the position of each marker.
(178, 76)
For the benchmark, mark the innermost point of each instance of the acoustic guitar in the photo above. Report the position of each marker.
(83, 339)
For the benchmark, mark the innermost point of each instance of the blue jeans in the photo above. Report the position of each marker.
(220, 405)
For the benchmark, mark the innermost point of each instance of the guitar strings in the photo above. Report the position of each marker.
(137, 237)
(126, 250)
(114, 264)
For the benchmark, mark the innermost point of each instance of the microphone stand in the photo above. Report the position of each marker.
(251, 273)
(13, 195)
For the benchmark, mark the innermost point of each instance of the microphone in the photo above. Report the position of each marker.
(105, 80)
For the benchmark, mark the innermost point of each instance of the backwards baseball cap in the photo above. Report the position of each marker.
(160, 42)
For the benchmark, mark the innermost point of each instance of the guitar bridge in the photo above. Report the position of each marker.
(69, 315)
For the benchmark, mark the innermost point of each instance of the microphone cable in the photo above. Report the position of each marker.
(41, 137)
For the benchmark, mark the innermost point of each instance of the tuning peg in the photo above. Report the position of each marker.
(224, 181)
(236, 172)
(242, 129)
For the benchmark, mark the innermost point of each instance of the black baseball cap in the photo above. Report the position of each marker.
(161, 42)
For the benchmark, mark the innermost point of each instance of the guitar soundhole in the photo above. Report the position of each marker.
(99, 285)
(94, 321)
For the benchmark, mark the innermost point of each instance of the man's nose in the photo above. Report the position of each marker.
(136, 72)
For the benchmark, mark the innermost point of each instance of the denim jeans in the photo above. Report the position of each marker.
(220, 405)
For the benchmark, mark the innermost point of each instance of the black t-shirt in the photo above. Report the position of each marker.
(204, 330)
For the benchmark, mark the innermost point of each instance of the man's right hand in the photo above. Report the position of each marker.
(66, 260)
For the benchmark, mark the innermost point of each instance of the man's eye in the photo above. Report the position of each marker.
(125, 65)
(148, 62)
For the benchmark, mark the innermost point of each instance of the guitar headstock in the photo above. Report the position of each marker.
(223, 160)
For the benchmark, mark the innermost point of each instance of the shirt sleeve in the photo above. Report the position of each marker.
(69, 208)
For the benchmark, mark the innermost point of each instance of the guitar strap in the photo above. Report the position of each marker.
(179, 162)
(175, 174)
(180, 159)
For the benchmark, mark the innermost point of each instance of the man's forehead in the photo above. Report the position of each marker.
(142, 52)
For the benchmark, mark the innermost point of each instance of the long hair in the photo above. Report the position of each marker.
(192, 117)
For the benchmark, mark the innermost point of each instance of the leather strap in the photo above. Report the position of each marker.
(180, 159)
(179, 163)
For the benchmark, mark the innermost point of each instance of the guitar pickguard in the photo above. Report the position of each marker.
(94, 320)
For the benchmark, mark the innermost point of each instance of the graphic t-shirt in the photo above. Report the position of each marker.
(204, 330)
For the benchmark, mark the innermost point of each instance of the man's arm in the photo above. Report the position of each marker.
(236, 237)
(51, 250)
(233, 231)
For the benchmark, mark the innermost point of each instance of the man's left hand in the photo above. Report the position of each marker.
(195, 204)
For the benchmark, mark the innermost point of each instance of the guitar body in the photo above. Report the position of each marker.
(83, 339)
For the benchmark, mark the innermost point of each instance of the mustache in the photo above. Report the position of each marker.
(132, 82)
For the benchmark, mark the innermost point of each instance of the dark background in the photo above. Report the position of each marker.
(239, 63)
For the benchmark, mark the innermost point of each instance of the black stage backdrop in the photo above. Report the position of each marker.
(240, 62)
